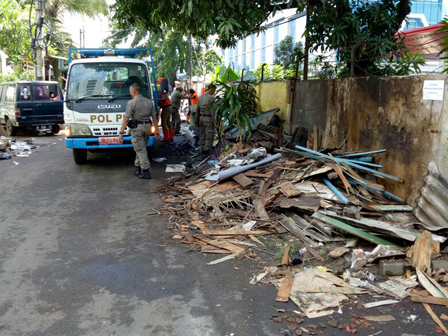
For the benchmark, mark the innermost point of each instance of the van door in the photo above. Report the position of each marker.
(40, 104)
(9, 97)
(2, 118)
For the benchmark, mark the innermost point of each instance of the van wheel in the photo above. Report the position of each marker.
(55, 129)
(80, 156)
(11, 130)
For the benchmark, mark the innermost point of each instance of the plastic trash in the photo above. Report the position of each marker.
(4, 156)
(159, 159)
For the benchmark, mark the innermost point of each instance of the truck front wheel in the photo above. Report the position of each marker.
(80, 156)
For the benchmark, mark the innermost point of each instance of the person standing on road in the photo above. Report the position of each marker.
(176, 101)
(205, 119)
(165, 115)
(139, 110)
(193, 105)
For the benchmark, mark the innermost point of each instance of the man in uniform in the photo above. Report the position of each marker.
(165, 115)
(205, 119)
(176, 102)
(140, 110)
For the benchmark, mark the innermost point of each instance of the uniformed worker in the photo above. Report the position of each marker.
(205, 119)
(140, 109)
(176, 102)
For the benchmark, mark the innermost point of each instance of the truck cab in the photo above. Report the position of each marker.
(97, 93)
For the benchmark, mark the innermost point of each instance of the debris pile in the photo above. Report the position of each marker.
(342, 231)
(11, 147)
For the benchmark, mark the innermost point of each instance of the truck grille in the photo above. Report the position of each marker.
(105, 131)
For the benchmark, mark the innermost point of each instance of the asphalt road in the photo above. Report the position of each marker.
(80, 255)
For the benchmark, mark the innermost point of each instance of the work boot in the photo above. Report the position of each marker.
(145, 175)
(137, 171)
(166, 135)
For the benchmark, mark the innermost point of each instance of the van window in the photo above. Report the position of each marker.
(42, 92)
(10, 93)
(25, 92)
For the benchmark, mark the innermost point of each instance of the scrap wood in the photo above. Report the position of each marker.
(212, 249)
(255, 239)
(305, 203)
(379, 318)
(435, 318)
(243, 180)
(348, 186)
(380, 303)
(221, 244)
(352, 230)
(431, 285)
(236, 233)
(266, 184)
(289, 190)
(285, 258)
(220, 260)
(260, 209)
(423, 250)
(285, 288)
(338, 252)
(333, 279)
(430, 300)
(293, 228)
(444, 317)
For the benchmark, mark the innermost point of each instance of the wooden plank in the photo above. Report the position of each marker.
(379, 318)
(236, 233)
(251, 173)
(285, 288)
(220, 260)
(435, 318)
(285, 258)
(259, 208)
(352, 230)
(306, 203)
(430, 285)
(380, 303)
(430, 299)
(222, 244)
(315, 138)
(255, 239)
(289, 190)
(212, 249)
(243, 180)
(347, 185)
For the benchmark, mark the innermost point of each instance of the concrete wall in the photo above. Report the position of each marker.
(375, 113)
(274, 95)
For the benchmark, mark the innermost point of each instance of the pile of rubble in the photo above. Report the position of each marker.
(341, 230)
(11, 147)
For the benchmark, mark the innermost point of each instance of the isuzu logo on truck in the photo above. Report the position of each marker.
(109, 106)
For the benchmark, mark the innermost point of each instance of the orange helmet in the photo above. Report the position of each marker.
(160, 79)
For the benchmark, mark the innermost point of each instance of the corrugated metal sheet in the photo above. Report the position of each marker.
(432, 205)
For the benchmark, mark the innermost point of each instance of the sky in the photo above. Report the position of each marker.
(96, 30)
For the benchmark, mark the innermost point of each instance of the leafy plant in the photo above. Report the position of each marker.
(224, 74)
(287, 53)
(237, 105)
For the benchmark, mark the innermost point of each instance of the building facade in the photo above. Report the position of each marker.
(254, 50)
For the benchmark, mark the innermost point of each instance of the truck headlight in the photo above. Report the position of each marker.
(77, 130)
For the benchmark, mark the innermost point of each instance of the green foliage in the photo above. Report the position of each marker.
(224, 74)
(229, 20)
(364, 26)
(275, 73)
(170, 51)
(14, 25)
(444, 44)
(405, 64)
(287, 53)
(237, 105)
(17, 76)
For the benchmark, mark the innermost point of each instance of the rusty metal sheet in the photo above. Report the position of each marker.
(432, 205)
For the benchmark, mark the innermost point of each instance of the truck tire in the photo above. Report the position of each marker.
(80, 156)
(55, 129)
(11, 130)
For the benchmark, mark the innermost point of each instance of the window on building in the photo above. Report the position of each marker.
(431, 10)
(292, 30)
(276, 37)
(252, 60)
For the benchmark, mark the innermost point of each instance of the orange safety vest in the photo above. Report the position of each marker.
(164, 102)
(194, 99)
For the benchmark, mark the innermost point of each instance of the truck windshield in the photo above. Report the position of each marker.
(108, 80)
